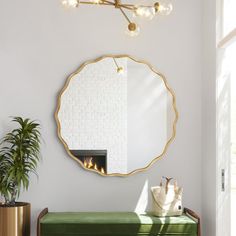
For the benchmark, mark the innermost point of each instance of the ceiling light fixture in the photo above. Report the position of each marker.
(145, 11)
(119, 69)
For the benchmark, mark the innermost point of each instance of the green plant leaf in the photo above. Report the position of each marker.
(19, 156)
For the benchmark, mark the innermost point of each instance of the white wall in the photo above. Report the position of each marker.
(209, 119)
(41, 44)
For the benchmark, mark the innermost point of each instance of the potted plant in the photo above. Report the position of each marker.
(19, 156)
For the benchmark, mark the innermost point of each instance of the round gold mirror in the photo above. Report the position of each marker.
(116, 115)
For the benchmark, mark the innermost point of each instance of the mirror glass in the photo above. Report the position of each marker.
(116, 115)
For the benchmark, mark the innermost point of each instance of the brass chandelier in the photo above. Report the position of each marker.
(145, 11)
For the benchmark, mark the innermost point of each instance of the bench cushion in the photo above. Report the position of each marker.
(115, 224)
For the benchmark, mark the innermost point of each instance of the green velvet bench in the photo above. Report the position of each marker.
(116, 224)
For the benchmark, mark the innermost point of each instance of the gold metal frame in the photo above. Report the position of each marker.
(138, 61)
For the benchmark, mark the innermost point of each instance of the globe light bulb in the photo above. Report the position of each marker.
(120, 70)
(70, 3)
(145, 12)
(163, 8)
(133, 29)
(139, 11)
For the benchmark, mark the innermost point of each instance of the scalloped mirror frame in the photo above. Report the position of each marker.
(135, 60)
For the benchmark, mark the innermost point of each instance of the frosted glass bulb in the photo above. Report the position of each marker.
(145, 12)
(139, 11)
(133, 29)
(120, 70)
(165, 8)
(70, 3)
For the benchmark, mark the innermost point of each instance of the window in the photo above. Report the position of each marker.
(231, 55)
(226, 121)
(229, 16)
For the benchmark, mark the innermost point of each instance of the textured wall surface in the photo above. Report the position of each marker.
(41, 44)
(93, 113)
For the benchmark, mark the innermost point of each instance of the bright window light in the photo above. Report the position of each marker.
(229, 16)
(231, 56)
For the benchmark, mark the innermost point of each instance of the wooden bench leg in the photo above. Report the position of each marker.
(41, 214)
(194, 215)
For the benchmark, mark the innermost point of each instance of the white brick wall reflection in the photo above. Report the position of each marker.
(93, 112)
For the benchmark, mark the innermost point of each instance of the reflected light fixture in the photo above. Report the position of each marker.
(145, 11)
(119, 69)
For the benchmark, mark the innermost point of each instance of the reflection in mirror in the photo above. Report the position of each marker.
(116, 115)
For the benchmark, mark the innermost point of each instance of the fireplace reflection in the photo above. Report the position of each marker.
(92, 159)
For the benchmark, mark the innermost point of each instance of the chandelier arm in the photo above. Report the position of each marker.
(115, 62)
(92, 3)
(128, 7)
(124, 14)
(106, 1)
(133, 6)
(125, 4)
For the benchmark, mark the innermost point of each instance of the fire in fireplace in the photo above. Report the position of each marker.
(92, 159)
